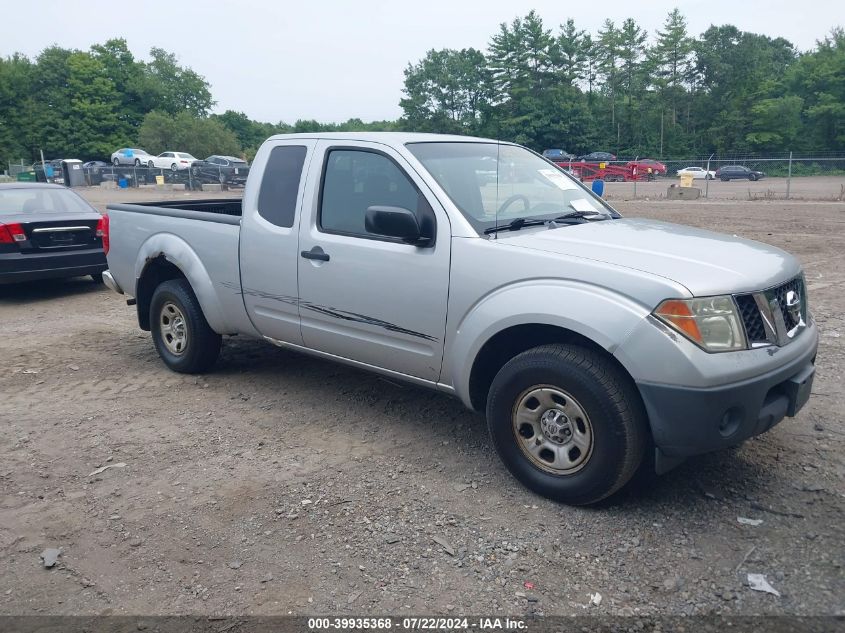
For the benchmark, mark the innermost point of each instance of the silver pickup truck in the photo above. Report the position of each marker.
(482, 270)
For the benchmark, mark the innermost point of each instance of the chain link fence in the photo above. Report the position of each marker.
(130, 176)
(789, 175)
(732, 176)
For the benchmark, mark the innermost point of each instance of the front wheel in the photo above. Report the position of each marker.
(137, 162)
(181, 334)
(567, 423)
(115, 162)
(752, 178)
(173, 167)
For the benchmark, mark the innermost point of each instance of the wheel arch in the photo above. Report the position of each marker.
(165, 256)
(512, 341)
(549, 311)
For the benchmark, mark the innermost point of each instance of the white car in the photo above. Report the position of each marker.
(129, 156)
(175, 161)
(698, 173)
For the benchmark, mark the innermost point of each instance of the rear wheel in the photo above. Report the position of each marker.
(173, 167)
(724, 179)
(97, 278)
(181, 334)
(151, 165)
(137, 162)
(567, 423)
(115, 162)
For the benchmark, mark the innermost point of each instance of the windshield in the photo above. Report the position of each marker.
(494, 183)
(38, 200)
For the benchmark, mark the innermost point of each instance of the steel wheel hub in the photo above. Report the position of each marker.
(174, 330)
(552, 429)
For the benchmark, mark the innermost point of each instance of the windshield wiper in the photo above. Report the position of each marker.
(515, 225)
(518, 223)
(580, 214)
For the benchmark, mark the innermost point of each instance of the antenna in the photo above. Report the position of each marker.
(498, 169)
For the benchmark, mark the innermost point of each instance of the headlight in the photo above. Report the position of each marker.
(712, 323)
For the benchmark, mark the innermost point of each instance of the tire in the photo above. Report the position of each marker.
(752, 178)
(176, 316)
(723, 179)
(116, 162)
(173, 167)
(137, 162)
(708, 177)
(151, 165)
(98, 279)
(607, 419)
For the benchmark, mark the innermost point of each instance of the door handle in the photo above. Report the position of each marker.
(316, 253)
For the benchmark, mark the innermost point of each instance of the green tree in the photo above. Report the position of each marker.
(819, 78)
(176, 88)
(184, 132)
(446, 91)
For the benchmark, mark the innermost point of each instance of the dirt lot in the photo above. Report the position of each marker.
(279, 483)
(820, 188)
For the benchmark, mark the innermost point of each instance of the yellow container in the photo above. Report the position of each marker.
(159, 180)
(686, 180)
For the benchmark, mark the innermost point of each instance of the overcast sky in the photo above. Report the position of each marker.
(331, 60)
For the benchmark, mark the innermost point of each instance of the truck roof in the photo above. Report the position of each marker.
(387, 138)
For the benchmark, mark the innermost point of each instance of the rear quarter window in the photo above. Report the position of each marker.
(280, 184)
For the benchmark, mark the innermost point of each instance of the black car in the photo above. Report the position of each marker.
(227, 170)
(96, 171)
(597, 156)
(733, 172)
(48, 231)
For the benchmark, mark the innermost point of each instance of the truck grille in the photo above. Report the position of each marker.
(796, 285)
(751, 319)
(771, 307)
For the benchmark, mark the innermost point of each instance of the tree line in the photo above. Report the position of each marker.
(620, 90)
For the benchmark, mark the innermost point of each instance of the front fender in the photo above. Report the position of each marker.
(179, 253)
(604, 317)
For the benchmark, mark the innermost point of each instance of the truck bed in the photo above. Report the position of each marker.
(200, 237)
(226, 206)
(211, 209)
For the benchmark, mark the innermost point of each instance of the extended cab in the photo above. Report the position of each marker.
(586, 338)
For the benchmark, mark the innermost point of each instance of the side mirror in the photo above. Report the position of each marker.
(394, 222)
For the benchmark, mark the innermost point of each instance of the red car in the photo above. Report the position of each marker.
(644, 164)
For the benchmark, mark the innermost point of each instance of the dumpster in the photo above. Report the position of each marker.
(26, 176)
(74, 176)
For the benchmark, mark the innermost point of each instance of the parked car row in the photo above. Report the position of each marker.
(227, 170)
(726, 173)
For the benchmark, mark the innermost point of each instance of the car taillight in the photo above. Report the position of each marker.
(11, 233)
(103, 232)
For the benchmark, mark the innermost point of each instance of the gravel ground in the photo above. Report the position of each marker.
(823, 188)
(283, 484)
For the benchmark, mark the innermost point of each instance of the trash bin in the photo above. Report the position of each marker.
(74, 176)
(686, 180)
(598, 187)
(26, 176)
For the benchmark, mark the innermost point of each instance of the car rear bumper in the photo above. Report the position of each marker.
(17, 267)
(688, 421)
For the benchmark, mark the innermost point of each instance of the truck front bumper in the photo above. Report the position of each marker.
(688, 421)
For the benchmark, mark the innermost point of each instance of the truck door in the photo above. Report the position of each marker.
(269, 252)
(366, 297)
